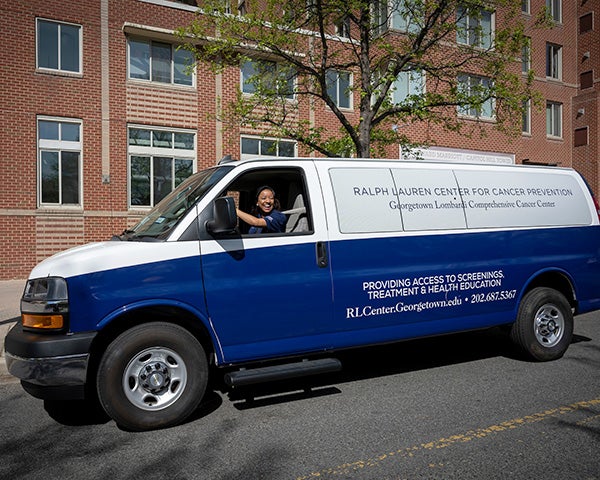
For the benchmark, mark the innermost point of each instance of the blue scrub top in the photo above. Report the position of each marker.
(275, 223)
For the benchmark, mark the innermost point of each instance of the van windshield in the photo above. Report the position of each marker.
(166, 214)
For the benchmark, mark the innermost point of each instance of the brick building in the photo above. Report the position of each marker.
(100, 119)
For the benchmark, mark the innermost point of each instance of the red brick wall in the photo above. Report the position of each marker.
(29, 234)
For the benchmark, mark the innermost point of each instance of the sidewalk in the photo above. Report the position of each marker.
(10, 297)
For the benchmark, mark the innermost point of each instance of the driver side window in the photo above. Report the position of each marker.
(290, 198)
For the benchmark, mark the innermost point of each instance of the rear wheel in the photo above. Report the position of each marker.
(152, 376)
(544, 326)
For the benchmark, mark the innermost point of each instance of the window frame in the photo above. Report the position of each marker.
(526, 6)
(380, 16)
(60, 146)
(554, 114)
(554, 9)
(342, 27)
(413, 87)
(261, 139)
(554, 63)
(287, 181)
(526, 56)
(526, 119)
(151, 152)
(59, 68)
(150, 60)
(338, 93)
(244, 80)
(398, 22)
(463, 37)
(477, 114)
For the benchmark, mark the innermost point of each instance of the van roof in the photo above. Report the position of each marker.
(265, 158)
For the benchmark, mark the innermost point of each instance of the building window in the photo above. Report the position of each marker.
(342, 27)
(58, 46)
(266, 77)
(526, 6)
(477, 88)
(396, 14)
(553, 61)
(408, 83)
(586, 23)
(338, 88)
(254, 146)
(59, 157)
(526, 118)
(402, 16)
(379, 14)
(554, 119)
(159, 160)
(474, 27)
(580, 137)
(160, 62)
(553, 8)
(526, 56)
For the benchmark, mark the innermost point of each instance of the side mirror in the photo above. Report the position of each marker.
(224, 216)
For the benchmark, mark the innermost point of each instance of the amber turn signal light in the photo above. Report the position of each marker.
(46, 322)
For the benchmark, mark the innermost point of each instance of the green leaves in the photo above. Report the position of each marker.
(396, 62)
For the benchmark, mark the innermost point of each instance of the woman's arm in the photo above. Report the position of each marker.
(251, 219)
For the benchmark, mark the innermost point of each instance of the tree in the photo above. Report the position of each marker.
(378, 54)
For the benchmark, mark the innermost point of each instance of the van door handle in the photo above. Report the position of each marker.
(322, 260)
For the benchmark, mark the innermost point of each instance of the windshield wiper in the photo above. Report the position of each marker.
(125, 235)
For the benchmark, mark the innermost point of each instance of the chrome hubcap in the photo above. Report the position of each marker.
(549, 325)
(155, 378)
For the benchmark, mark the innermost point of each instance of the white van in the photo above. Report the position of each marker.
(373, 251)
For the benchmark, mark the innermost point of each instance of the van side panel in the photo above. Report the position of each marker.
(97, 298)
(403, 287)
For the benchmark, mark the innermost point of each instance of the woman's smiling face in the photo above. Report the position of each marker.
(266, 200)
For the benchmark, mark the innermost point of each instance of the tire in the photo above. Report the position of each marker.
(152, 376)
(544, 326)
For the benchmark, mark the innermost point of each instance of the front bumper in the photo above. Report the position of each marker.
(48, 360)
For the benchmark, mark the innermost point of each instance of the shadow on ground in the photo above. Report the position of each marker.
(358, 364)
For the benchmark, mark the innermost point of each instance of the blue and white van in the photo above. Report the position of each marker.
(374, 251)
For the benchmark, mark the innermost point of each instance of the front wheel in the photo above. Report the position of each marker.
(544, 326)
(152, 376)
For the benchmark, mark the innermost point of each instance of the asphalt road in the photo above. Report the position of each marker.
(458, 407)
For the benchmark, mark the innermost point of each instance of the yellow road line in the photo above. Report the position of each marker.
(407, 452)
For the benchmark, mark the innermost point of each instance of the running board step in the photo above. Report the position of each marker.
(282, 372)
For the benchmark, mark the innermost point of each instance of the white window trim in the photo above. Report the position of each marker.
(172, 83)
(477, 117)
(409, 72)
(559, 61)
(527, 113)
(290, 98)
(59, 146)
(492, 34)
(244, 156)
(553, 119)
(394, 6)
(554, 14)
(526, 61)
(145, 151)
(527, 11)
(350, 93)
(58, 70)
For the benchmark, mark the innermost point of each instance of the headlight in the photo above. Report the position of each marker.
(45, 304)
